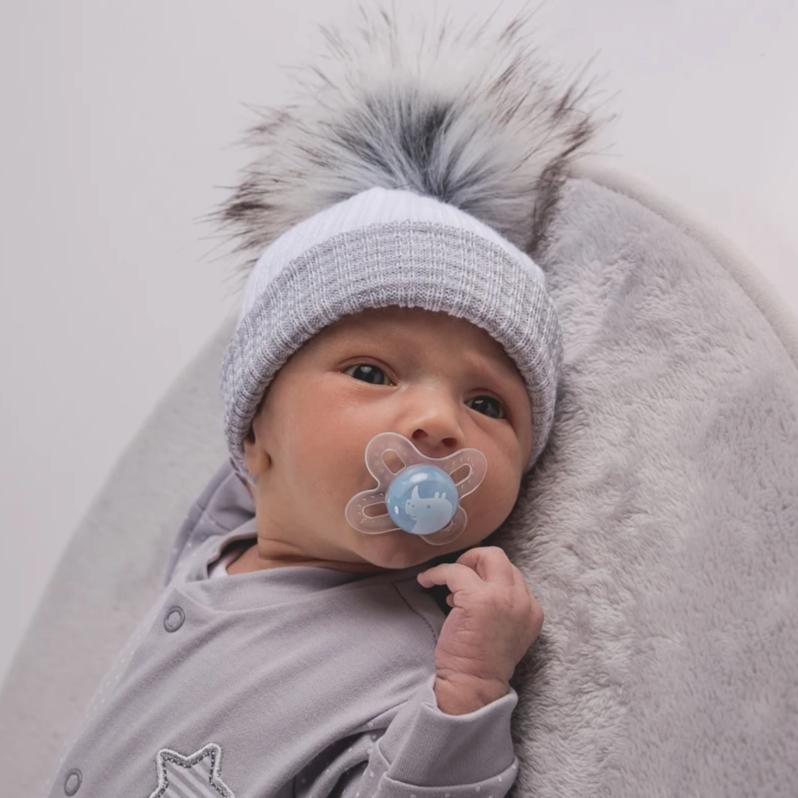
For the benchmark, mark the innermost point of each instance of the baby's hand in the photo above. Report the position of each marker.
(494, 620)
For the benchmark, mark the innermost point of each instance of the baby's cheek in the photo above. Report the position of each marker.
(491, 503)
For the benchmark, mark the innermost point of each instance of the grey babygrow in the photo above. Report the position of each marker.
(297, 681)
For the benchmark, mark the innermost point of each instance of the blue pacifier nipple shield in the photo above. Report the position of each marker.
(421, 498)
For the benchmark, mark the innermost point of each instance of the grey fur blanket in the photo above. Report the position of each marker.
(660, 532)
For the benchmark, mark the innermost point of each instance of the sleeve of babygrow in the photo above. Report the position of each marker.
(427, 752)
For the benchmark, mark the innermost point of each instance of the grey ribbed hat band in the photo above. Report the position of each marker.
(410, 263)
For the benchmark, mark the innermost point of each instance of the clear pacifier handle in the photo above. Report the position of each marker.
(421, 498)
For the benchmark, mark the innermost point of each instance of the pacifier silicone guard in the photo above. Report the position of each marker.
(409, 455)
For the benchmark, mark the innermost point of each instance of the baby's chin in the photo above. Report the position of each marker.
(397, 550)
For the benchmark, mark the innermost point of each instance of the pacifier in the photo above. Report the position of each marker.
(421, 498)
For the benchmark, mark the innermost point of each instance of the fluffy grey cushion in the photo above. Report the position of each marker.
(659, 530)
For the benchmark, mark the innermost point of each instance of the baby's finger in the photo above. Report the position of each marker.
(455, 576)
(491, 563)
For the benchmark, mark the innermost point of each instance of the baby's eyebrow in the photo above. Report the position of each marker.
(496, 368)
(500, 374)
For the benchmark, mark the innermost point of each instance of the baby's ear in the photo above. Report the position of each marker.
(249, 445)
(256, 459)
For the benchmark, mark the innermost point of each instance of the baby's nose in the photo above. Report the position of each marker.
(435, 445)
(433, 413)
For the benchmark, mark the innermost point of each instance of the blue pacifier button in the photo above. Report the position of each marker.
(422, 499)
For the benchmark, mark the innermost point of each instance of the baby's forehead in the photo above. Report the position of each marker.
(407, 325)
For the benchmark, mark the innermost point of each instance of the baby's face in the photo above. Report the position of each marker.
(438, 380)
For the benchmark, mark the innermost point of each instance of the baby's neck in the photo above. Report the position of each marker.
(251, 560)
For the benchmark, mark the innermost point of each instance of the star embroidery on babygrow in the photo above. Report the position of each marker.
(196, 775)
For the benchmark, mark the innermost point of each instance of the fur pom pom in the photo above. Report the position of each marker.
(461, 114)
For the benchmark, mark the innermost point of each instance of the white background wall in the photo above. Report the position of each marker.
(119, 125)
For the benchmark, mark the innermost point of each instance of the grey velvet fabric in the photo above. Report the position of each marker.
(658, 530)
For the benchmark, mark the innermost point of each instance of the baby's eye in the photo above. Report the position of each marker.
(480, 405)
(369, 373)
(488, 405)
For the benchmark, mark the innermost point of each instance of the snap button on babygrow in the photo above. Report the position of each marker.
(174, 619)
(73, 781)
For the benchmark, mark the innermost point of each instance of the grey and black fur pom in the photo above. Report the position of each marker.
(460, 114)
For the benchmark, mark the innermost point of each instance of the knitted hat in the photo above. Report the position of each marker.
(404, 184)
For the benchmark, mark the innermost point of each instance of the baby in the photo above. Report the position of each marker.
(292, 651)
